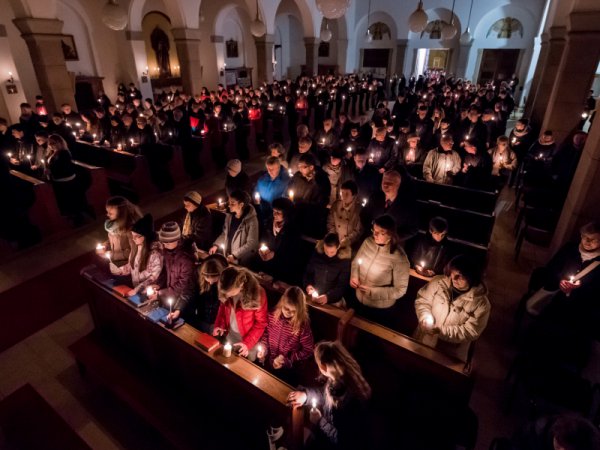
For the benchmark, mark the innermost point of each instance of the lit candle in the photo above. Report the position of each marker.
(131, 141)
(99, 247)
(9, 154)
(170, 302)
(360, 261)
(372, 157)
(94, 137)
(364, 202)
(584, 115)
(257, 197)
(540, 155)
(428, 321)
(170, 133)
(259, 349)
(513, 140)
(220, 202)
(290, 173)
(315, 294)
(108, 255)
(227, 350)
(119, 147)
(422, 264)
(467, 137)
(349, 149)
(571, 279)
(29, 158)
(263, 248)
(223, 248)
(314, 403)
(150, 291)
(291, 194)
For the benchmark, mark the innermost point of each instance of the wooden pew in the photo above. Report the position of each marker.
(44, 212)
(465, 225)
(457, 196)
(97, 186)
(172, 364)
(128, 174)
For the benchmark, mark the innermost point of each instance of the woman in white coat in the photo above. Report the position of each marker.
(453, 309)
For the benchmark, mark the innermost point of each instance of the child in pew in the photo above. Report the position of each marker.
(453, 309)
(242, 315)
(121, 214)
(339, 412)
(205, 313)
(288, 339)
(328, 271)
(429, 253)
(145, 259)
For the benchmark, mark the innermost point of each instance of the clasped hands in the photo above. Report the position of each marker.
(361, 287)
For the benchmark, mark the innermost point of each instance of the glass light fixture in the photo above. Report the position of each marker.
(449, 29)
(332, 9)
(418, 19)
(466, 37)
(114, 16)
(257, 27)
(326, 33)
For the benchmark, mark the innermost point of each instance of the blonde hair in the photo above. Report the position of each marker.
(294, 296)
(344, 369)
(236, 277)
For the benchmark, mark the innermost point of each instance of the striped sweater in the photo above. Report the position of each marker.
(279, 339)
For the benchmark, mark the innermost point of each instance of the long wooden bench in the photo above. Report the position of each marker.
(184, 372)
(457, 196)
(96, 183)
(44, 212)
(128, 174)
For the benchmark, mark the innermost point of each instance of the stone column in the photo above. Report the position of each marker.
(556, 46)
(264, 58)
(463, 60)
(539, 70)
(140, 60)
(312, 55)
(43, 40)
(581, 205)
(401, 45)
(187, 43)
(575, 73)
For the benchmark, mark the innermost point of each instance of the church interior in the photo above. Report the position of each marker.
(300, 224)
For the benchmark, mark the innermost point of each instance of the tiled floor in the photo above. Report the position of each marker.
(43, 359)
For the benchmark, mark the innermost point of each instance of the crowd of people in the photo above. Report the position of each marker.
(348, 186)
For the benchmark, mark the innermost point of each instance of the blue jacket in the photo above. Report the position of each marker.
(270, 189)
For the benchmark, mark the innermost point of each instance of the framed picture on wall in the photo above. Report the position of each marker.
(231, 48)
(67, 42)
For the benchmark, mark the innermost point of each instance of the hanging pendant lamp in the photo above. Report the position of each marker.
(257, 27)
(466, 37)
(418, 19)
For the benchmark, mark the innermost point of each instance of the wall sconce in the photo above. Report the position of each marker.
(11, 87)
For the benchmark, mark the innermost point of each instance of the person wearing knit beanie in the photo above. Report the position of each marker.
(234, 167)
(169, 233)
(145, 227)
(193, 197)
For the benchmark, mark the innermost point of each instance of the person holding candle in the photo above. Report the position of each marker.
(339, 410)
(179, 280)
(280, 238)
(237, 179)
(442, 163)
(366, 176)
(412, 152)
(305, 146)
(328, 271)
(476, 167)
(242, 315)
(145, 259)
(121, 214)
(271, 185)
(503, 158)
(288, 339)
(458, 303)
(333, 169)
(205, 313)
(381, 278)
(429, 253)
(240, 230)
(197, 223)
(344, 215)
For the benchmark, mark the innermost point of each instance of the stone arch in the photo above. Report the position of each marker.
(171, 8)
(79, 27)
(528, 21)
(152, 21)
(289, 31)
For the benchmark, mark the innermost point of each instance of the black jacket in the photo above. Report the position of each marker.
(329, 276)
(201, 228)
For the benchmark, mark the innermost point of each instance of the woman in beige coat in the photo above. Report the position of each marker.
(379, 271)
(453, 309)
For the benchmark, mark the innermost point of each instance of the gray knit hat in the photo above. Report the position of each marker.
(169, 232)
(234, 166)
(193, 197)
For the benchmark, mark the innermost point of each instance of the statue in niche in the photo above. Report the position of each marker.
(161, 47)
(505, 28)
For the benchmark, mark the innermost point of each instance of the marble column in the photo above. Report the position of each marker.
(311, 45)
(575, 73)
(556, 46)
(187, 43)
(264, 58)
(43, 38)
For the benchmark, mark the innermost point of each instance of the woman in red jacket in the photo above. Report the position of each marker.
(242, 315)
(288, 338)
